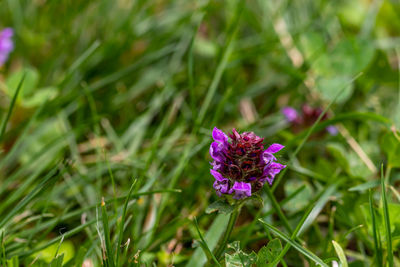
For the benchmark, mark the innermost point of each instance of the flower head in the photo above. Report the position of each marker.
(6, 44)
(241, 165)
(307, 117)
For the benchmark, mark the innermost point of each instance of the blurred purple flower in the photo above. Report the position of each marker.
(307, 117)
(241, 165)
(290, 114)
(6, 44)
(332, 130)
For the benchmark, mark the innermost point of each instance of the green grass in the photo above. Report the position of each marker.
(97, 93)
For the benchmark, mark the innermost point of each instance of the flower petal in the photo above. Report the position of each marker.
(267, 157)
(215, 151)
(274, 148)
(241, 189)
(332, 130)
(290, 114)
(219, 135)
(221, 187)
(217, 176)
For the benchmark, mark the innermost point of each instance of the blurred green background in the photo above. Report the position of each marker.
(120, 90)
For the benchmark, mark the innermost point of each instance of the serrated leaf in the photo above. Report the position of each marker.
(235, 245)
(219, 206)
(240, 259)
(268, 253)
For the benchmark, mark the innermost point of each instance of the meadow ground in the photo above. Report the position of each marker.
(107, 111)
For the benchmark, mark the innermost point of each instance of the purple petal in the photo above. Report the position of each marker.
(7, 33)
(217, 166)
(267, 157)
(241, 189)
(290, 114)
(274, 148)
(221, 187)
(217, 176)
(271, 170)
(219, 136)
(6, 44)
(215, 151)
(332, 130)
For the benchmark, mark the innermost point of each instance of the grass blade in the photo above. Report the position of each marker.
(340, 253)
(294, 244)
(110, 254)
(10, 109)
(121, 225)
(212, 236)
(49, 180)
(204, 244)
(387, 221)
(377, 245)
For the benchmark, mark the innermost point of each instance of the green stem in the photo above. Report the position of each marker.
(232, 221)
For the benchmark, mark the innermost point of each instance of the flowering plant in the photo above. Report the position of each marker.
(241, 166)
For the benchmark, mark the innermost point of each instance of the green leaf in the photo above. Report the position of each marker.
(66, 249)
(348, 57)
(268, 253)
(238, 257)
(334, 67)
(329, 87)
(39, 97)
(349, 160)
(220, 206)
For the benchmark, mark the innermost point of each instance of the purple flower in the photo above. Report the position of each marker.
(218, 148)
(6, 44)
(290, 114)
(220, 184)
(241, 190)
(307, 117)
(332, 130)
(267, 156)
(241, 165)
(271, 170)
